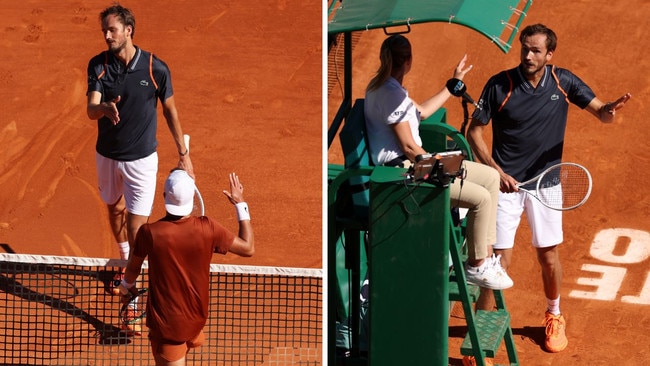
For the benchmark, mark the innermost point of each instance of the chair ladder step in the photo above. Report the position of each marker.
(454, 291)
(491, 327)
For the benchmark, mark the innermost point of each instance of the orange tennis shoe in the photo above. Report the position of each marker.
(556, 339)
(130, 327)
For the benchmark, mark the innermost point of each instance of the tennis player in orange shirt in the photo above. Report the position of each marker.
(179, 248)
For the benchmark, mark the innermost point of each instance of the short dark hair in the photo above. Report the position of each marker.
(551, 38)
(123, 14)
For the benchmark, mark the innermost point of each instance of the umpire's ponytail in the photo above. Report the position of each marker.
(395, 51)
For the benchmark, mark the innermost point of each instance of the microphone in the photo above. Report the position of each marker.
(458, 89)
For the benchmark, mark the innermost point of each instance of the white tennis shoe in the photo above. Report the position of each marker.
(490, 275)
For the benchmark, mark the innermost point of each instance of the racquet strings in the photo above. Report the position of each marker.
(564, 186)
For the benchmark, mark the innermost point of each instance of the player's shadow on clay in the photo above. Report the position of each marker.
(59, 298)
(534, 335)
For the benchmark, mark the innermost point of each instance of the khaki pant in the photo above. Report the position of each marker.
(479, 193)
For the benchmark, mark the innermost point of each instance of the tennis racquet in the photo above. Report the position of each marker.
(199, 208)
(133, 311)
(562, 187)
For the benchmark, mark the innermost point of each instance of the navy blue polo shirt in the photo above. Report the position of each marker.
(141, 84)
(528, 124)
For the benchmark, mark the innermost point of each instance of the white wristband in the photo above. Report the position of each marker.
(242, 211)
(125, 286)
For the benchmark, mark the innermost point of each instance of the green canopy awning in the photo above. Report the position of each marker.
(498, 20)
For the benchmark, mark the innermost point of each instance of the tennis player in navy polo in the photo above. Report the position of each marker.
(125, 84)
(528, 107)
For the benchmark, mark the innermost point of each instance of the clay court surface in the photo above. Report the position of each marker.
(247, 84)
(607, 239)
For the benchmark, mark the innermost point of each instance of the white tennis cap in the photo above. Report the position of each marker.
(179, 193)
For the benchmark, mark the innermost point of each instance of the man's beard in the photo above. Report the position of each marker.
(116, 49)
(531, 70)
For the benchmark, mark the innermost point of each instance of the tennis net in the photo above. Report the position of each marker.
(59, 311)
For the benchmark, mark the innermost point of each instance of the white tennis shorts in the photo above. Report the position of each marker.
(136, 180)
(545, 223)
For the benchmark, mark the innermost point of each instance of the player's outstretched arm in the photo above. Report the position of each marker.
(97, 109)
(244, 244)
(605, 112)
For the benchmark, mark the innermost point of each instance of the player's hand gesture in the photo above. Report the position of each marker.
(508, 183)
(127, 295)
(618, 103)
(111, 112)
(236, 193)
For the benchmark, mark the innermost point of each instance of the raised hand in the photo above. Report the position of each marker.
(461, 70)
(236, 193)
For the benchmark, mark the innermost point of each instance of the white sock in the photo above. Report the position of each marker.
(553, 306)
(124, 249)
